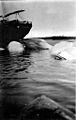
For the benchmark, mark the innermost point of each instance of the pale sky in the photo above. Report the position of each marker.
(49, 17)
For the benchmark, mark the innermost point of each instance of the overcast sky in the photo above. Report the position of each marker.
(49, 17)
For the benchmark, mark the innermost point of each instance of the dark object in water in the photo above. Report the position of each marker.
(43, 108)
(13, 30)
(58, 57)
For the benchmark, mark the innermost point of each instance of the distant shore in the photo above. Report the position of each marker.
(55, 37)
(60, 37)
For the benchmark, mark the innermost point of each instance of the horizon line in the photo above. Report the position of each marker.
(30, 1)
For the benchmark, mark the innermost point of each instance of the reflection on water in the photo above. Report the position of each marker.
(24, 77)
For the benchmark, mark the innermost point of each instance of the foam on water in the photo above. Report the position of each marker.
(1, 49)
(65, 49)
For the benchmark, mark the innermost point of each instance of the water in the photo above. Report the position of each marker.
(26, 76)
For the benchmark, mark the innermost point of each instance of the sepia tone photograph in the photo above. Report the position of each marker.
(37, 59)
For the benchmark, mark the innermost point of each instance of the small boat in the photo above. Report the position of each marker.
(13, 30)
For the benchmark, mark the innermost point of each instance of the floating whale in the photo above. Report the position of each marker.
(37, 44)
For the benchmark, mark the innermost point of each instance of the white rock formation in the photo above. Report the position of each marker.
(15, 47)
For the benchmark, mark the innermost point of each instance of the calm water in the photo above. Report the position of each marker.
(34, 73)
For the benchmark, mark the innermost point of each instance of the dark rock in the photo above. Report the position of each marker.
(43, 108)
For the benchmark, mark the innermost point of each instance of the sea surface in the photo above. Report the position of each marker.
(23, 77)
